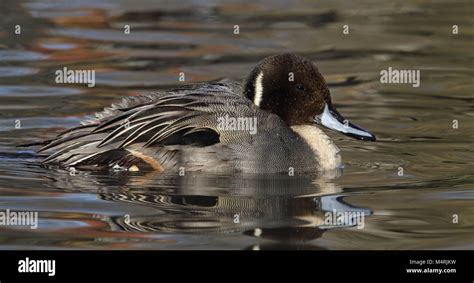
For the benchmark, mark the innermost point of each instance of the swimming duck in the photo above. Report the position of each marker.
(266, 124)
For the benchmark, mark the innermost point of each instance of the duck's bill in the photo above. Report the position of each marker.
(331, 119)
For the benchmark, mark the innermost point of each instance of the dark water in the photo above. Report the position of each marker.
(135, 210)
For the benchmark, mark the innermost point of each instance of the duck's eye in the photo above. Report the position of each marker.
(300, 87)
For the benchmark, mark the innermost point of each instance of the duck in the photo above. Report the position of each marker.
(268, 123)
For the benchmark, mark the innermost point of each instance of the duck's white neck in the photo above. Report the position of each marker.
(321, 144)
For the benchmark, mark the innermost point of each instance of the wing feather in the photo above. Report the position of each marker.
(150, 123)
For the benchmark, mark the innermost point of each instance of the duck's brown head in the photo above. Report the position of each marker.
(292, 87)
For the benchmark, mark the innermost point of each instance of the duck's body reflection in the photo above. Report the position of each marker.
(287, 209)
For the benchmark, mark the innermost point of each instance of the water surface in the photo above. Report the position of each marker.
(134, 210)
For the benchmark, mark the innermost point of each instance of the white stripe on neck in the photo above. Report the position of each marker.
(258, 89)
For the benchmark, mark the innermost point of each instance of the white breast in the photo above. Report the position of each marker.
(321, 144)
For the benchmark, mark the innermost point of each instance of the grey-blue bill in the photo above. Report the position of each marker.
(332, 119)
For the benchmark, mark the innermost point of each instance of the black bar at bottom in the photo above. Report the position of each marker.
(243, 265)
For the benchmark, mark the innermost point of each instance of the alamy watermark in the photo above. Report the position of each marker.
(66, 76)
(394, 76)
(28, 265)
(228, 123)
(345, 218)
(19, 218)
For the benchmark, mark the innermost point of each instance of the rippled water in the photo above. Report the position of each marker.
(134, 210)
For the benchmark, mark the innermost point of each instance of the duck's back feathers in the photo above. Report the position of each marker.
(153, 128)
